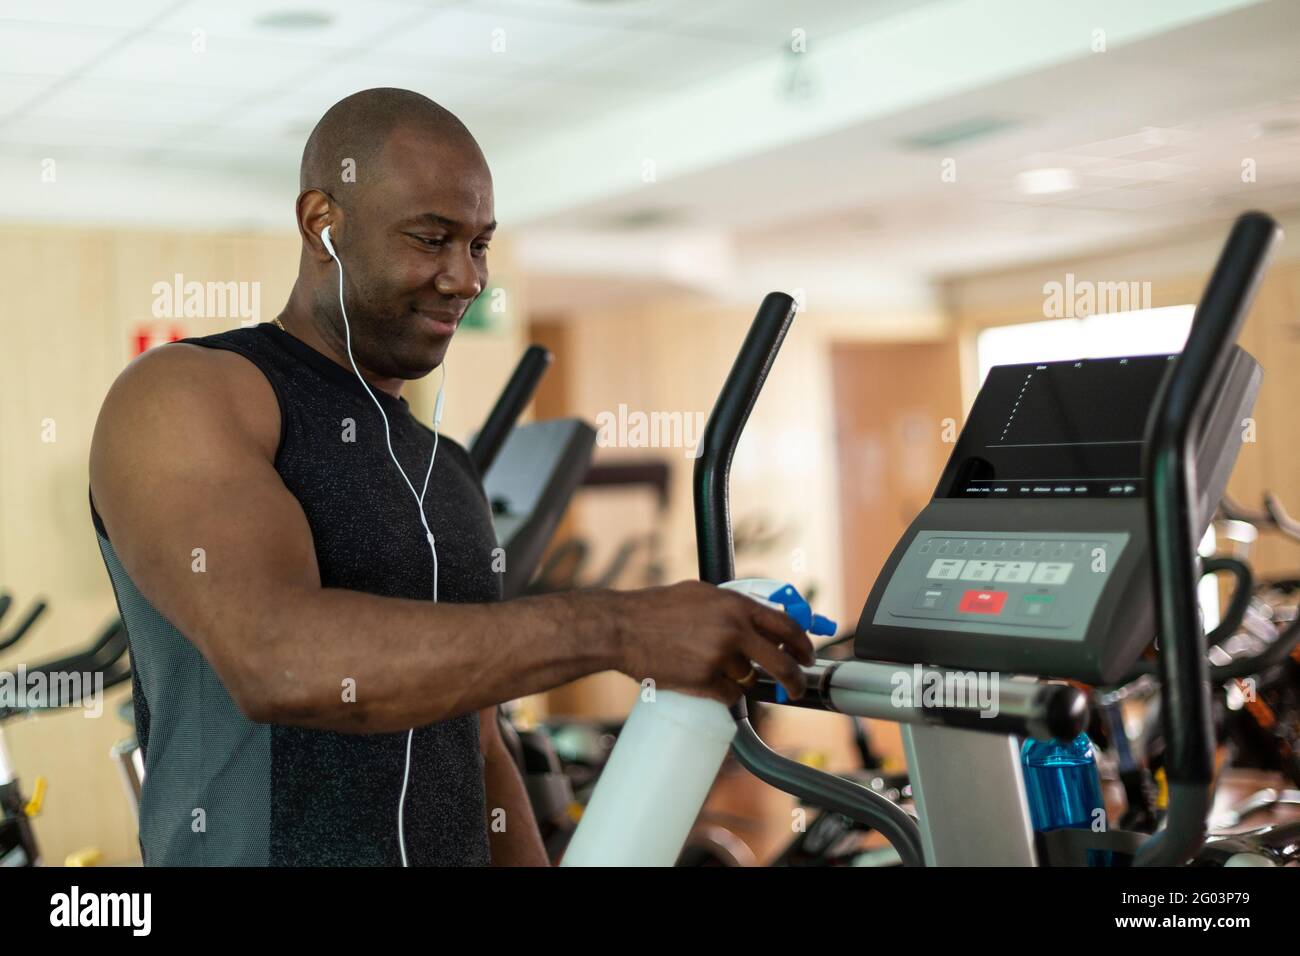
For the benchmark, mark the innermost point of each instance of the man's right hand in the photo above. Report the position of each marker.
(705, 640)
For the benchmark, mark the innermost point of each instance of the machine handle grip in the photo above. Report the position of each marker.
(23, 626)
(1044, 711)
(722, 433)
(1055, 712)
(1169, 467)
(510, 405)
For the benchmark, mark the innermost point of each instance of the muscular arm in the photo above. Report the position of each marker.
(182, 459)
(512, 829)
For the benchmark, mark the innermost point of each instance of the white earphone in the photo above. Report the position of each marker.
(419, 498)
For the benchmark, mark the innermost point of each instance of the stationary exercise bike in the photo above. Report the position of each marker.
(104, 664)
(1253, 663)
(1061, 538)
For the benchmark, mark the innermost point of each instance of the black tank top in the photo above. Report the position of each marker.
(222, 790)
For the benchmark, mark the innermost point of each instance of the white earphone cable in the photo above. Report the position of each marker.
(419, 501)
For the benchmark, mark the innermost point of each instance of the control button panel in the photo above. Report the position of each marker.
(1036, 584)
(982, 602)
(930, 599)
(1051, 572)
(945, 570)
(1014, 572)
(979, 571)
(1037, 604)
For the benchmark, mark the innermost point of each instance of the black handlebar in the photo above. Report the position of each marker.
(1169, 468)
(1238, 604)
(23, 626)
(722, 433)
(1278, 516)
(514, 399)
(1273, 515)
(1046, 711)
(717, 565)
(105, 658)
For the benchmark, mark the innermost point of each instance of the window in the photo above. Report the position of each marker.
(1113, 334)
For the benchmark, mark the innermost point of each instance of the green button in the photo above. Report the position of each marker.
(1037, 605)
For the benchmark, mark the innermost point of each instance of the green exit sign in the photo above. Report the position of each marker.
(485, 313)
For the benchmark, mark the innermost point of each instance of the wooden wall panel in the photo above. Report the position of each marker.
(56, 360)
(898, 409)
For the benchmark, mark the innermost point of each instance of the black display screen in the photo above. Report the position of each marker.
(1057, 429)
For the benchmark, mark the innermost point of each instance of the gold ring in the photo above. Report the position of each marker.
(750, 679)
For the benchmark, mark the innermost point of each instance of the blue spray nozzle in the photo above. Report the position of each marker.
(790, 599)
(823, 626)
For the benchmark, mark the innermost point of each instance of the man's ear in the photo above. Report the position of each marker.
(316, 211)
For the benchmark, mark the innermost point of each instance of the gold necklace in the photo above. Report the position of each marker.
(278, 324)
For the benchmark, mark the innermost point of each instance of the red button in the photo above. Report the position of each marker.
(982, 602)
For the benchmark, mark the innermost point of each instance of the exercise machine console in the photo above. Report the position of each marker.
(1033, 555)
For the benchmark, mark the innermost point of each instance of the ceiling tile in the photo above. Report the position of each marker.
(597, 12)
(555, 98)
(771, 22)
(211, 150)
(123, 16)
(48, 50)
(448, 83)
(661, 62)
(347, 24)
(54, 133)
(127, 102)
(82, 162)
(17, 91)
(210, 61)
(500, 43)
(296, 111)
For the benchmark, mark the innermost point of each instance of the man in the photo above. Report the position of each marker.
(300, 699)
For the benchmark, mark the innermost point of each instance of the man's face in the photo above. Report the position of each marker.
(414, 251)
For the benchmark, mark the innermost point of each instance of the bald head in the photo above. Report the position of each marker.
(407, 196)
(358, 127)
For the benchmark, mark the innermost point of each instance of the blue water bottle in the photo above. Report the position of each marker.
(1064, 787)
